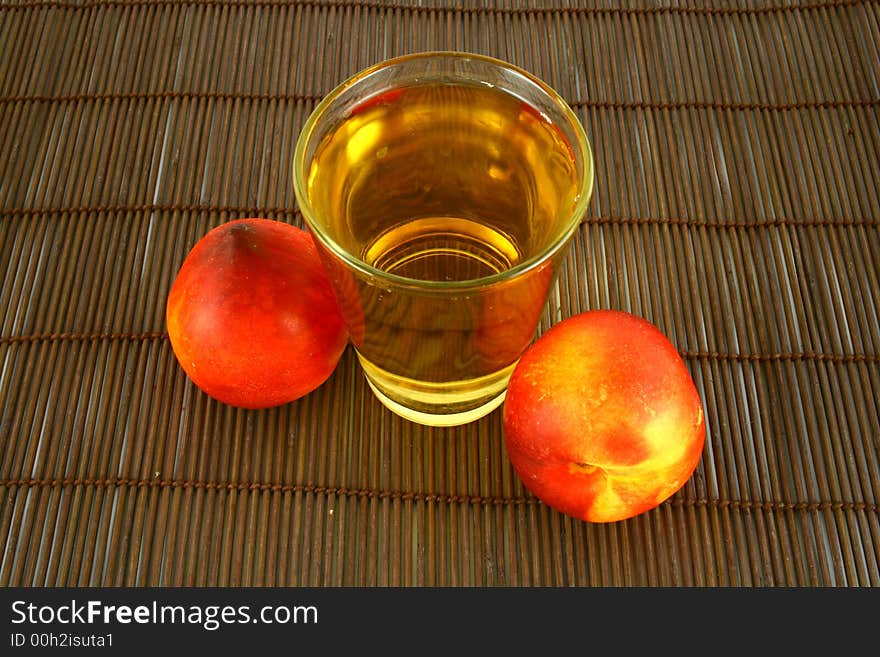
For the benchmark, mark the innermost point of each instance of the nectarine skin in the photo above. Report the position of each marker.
(251, 316)
(602, 420)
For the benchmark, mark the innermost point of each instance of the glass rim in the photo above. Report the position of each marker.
(300, 175)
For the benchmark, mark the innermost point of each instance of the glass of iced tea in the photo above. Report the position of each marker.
(442, 189)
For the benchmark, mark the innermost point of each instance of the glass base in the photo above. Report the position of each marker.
(438, 404)
(438, 419)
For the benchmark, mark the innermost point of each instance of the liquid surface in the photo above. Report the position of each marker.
(443, 182)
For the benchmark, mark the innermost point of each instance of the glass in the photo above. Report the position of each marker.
(442, 189)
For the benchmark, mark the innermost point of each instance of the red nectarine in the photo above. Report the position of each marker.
(251, 316)
(602, 420)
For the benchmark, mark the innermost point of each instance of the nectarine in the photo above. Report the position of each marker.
(602, 420)
(251, 316)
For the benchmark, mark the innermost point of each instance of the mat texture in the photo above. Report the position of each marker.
(737, 207)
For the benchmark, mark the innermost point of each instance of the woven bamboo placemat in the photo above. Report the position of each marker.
(737, 207)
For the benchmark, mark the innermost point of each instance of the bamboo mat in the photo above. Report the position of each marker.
(737, 207)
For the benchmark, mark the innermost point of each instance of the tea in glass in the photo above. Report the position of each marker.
(442, 190)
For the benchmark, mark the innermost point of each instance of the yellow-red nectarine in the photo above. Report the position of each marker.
(602, 420)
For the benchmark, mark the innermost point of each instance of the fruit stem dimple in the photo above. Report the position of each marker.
(585, 468)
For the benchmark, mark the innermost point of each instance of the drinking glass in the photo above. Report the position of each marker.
(442, 190)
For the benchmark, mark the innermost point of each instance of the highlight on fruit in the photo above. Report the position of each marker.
(251, 316)
(602, 419)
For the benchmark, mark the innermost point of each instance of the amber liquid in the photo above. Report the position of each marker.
(442, 184)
